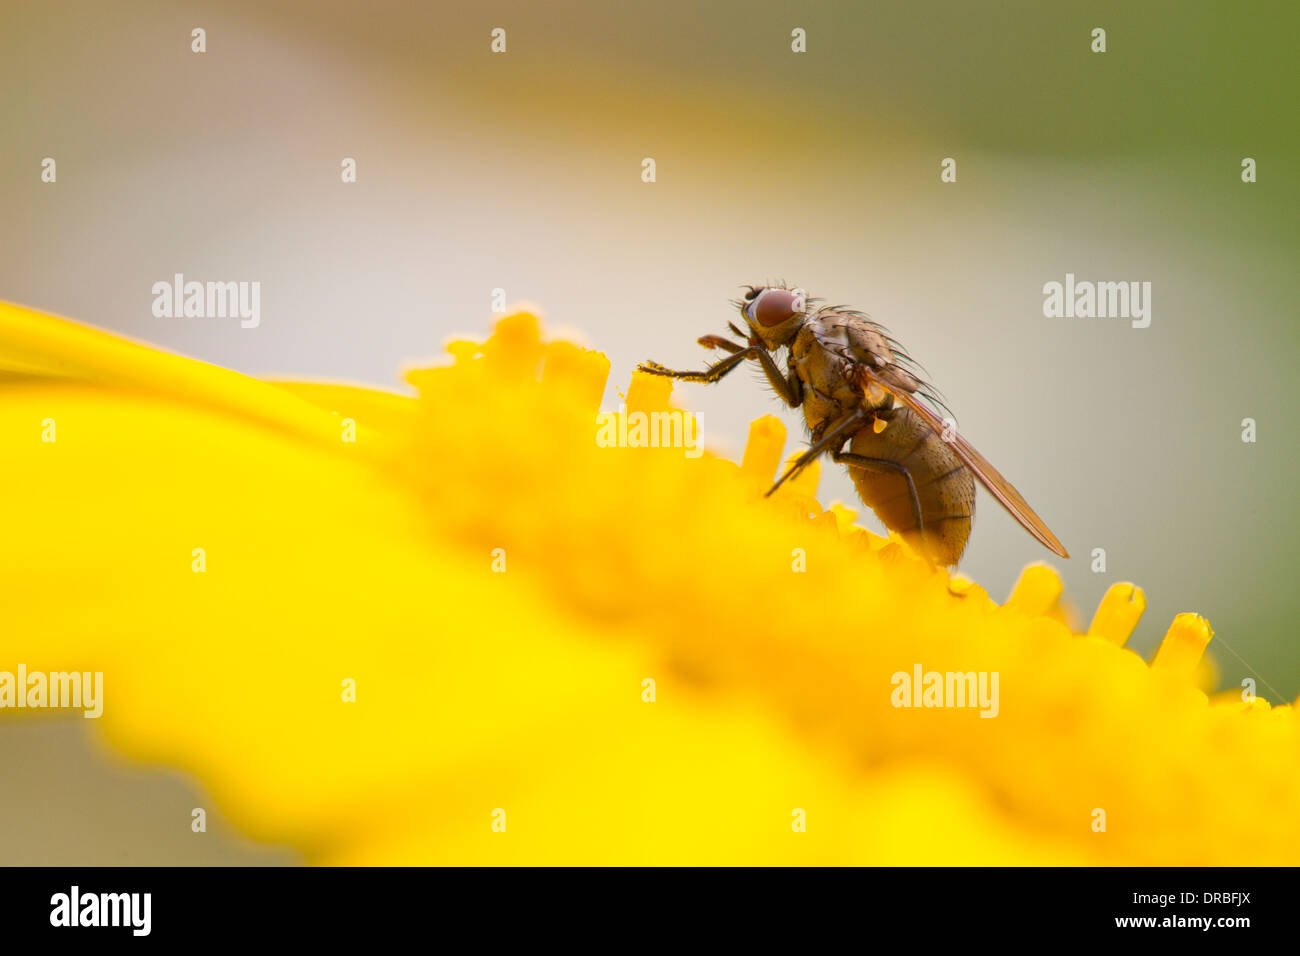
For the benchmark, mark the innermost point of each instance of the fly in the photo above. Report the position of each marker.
(866, 407)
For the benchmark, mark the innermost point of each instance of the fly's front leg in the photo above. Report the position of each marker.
(710, 375)
(787, 388)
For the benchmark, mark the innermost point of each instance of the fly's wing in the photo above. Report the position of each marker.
(988, 476)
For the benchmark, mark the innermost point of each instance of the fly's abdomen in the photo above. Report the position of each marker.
(945, 488)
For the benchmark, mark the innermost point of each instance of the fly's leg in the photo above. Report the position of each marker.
(787, 388)
(833, 439)
(718, 342)
(712, 374)
(881, 464)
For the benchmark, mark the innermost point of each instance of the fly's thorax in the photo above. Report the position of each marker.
(828, 390)
(819, 410)
(851, 335)
(827, 353)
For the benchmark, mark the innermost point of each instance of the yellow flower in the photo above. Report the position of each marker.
(568, 653)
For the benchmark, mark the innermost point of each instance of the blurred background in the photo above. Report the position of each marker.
(522, 171)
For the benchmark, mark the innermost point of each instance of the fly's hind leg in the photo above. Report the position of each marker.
(881, 464)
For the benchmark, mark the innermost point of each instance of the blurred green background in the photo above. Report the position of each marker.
(522, 171)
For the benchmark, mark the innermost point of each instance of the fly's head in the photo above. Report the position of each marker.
(774, 313)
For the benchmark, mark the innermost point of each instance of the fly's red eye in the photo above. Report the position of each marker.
(774, 306)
